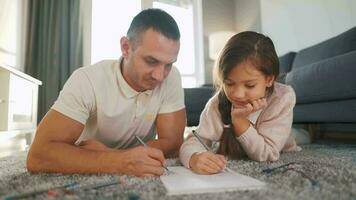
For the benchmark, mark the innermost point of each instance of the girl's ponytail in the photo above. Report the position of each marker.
(229, 146)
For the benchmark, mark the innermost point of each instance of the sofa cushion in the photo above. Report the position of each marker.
(327, 80)
(338, 45)
(195, 100)
(285, 62)
(333, 111)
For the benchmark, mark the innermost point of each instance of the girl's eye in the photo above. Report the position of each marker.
(250, 86)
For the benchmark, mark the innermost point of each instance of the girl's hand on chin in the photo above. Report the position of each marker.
(244, 111)
(241, 111)
(259, 104)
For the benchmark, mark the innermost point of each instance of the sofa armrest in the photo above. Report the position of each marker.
(327, 80)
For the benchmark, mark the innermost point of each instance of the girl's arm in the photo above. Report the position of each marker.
(209, 129)
(265, 142)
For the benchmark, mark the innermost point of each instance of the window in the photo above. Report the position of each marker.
(189, 61)
(111, 19)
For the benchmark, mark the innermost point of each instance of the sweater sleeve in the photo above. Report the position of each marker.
(209, 128)
(265, 142)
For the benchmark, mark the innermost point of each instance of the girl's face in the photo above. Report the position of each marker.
(246, 83)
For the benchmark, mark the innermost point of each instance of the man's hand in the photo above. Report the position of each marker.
(139, 161)
(207, 163)
(142, 161)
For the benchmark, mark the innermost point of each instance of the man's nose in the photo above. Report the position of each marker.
(158, 73)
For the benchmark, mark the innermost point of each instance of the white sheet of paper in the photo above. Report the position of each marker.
(184, 181)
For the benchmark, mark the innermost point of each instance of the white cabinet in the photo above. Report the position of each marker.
(18, 108)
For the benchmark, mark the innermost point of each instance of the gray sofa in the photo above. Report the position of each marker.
(323, 77)
(195, 100)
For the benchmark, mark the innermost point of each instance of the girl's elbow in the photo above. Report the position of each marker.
(261, 159)
(272, 157)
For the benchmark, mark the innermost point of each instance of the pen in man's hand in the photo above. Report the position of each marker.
(207, 148)
(141, 141)
(145, 145)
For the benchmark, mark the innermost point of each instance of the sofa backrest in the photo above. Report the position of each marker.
(340, 44)
(195, 100)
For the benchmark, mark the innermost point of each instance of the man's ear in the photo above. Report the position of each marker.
(125, 46)
(270, 80)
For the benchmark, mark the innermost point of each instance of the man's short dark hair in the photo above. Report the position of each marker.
(156, 19)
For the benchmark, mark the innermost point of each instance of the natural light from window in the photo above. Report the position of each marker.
(110, 21)
(186, 58)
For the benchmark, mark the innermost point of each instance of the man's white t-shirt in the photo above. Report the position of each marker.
(99, 97)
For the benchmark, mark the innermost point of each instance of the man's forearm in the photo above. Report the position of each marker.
(170, 148)
(67, 158)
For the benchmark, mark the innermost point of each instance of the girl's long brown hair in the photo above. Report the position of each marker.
(260, 51)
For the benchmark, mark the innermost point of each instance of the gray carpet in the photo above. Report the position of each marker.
(331, 166)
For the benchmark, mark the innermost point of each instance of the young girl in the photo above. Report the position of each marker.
(250, 115)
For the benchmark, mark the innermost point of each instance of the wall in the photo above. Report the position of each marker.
(296, 24)
(228, 15)
(217, 16)
(292, 24)
(248, 15)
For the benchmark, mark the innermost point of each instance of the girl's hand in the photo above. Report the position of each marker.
(244, 111)
(259, 104)
(207, 163)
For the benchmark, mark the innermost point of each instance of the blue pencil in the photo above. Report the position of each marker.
(29, 194)
(74, 185)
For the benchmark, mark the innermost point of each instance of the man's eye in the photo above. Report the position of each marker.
(151, 62)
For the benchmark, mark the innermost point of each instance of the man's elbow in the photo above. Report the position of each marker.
(33, 163)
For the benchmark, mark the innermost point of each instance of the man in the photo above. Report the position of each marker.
(91, 127)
